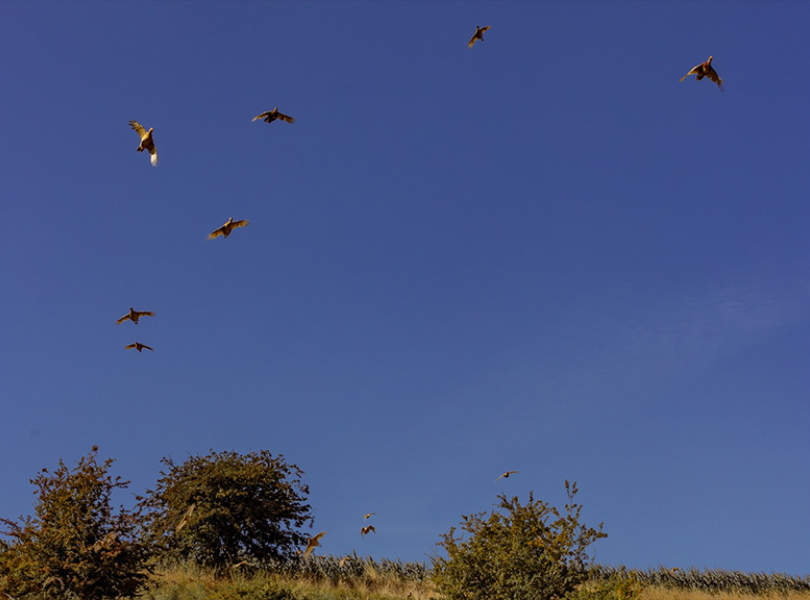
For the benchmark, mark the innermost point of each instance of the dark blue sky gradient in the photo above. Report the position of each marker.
(543, 254)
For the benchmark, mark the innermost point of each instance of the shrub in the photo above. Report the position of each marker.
(220, 509)
(532, 551)
(76, 545)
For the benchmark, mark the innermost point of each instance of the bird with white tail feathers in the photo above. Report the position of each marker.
(147, 141)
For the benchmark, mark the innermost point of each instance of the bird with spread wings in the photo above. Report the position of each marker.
(138, 346)
(271, 115)
(368, 528)
(506, 475)
(312, 543)
(705, 69)
(147, 141)
(478, 35)
(133, 315)
(368, 515)
(226, 229)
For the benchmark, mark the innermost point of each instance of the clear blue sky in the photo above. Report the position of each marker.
(544, 253)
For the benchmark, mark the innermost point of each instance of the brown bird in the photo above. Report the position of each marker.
(139, 347)
(184, 520)
(147, 141)
(312, 543)
(367, 529)
(343, 561)
(368, 515)
(226, 229)
(705, 69)
(271, 115)
(506, 475)
(133, 315)
(478, 35)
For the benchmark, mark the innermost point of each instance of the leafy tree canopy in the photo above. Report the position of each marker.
(76, 544)
(227, 507)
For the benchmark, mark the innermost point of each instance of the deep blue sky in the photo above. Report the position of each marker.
(544, 253)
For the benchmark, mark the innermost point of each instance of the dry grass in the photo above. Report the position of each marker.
(192, 583)
(662, 593)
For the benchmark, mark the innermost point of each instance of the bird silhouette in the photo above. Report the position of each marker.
(367, 529)
(147, 141)
(133, 315)
(368, 515)
(312, 543)
(226, 229)
(705, 69)
(271, 115)
(138, 346)
(506, 475)
(478, 35)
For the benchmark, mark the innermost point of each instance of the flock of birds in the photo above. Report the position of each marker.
(147, 143)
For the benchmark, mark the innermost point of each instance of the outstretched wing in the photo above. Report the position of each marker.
(145, 313)
(241, 223)
(184, 520)
(138, 127)
(122, 319)
(261, 116)
(130, 346)
(692, 71)
(313, 542)
(287, 118)
(216, 233)
(485, 28)
(147, 347)
(472, 40)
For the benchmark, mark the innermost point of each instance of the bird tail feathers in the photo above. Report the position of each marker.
(153, 159)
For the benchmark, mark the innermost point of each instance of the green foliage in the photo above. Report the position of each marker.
(621, 585)
(226, 507)
(532, 551)
(76, 545)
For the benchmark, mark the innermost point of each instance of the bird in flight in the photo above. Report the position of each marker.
(478, 35)
(368, 515)
(147, 141)
(139, 347)
(133, 315)
(312, 543)
(226, 229)
(705, 69)
(506, 475)
(271, 115)
(184, 520)
(367, 529)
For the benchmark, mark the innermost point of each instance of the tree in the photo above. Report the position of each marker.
(227, 507)
(76, 544)
(532, 551)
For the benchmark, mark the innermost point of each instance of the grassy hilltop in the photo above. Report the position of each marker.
(324, 578)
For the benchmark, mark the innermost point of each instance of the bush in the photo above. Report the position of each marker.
(532, 551)
(75, 545)
(223, 508)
